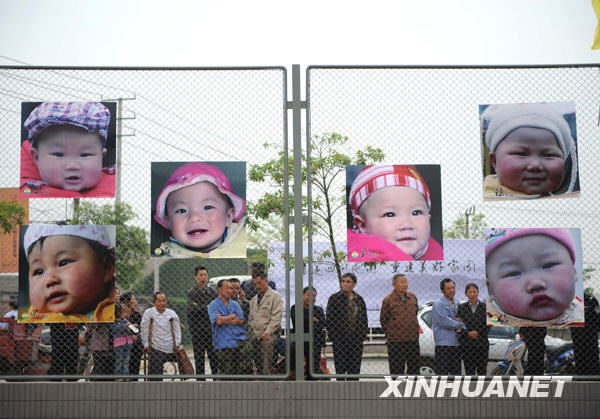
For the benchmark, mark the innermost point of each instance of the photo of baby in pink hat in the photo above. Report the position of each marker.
(529, 150)
(533, 276)
(394, 213)
(198, 211)
(67, 274)
(68, 150)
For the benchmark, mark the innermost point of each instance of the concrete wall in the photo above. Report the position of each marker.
(275, 400)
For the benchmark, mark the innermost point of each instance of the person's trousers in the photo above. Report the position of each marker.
(447, 359)
(401, 353)
(104, 362)
(203, 344)
(122, 354)
(229, 360)
(536, 349)
(263, 353)
(157, 359)
(475, 358)
(65, 356)
(347, 354)
(137, 351)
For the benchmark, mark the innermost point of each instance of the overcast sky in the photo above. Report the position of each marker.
(200, 33)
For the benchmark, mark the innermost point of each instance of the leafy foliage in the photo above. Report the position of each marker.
(328, 161)
(132, 241)
(11, 215)
(458, 229)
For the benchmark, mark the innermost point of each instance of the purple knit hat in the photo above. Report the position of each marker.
(91, 116)
(498, 236)
(191, 173)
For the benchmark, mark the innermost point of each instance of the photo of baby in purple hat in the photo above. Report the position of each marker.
(529, 150)
(533, 276)
(68, 150)
(198, 211)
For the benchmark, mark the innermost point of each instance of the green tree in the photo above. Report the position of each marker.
(11, 214)
(588, 273)
(132, 241)
(458, 229)
(327, 163)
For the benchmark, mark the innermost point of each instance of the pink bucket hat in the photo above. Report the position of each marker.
(498, 236)
(373, 178)
(189, 174)
(97, 233)
(91, 116)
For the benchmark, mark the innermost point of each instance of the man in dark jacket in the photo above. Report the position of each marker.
(585, 339)
(347, 326)
(474, 344)
(199, 297)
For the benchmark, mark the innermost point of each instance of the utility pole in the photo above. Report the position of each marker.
(470, 211)
(119, 137)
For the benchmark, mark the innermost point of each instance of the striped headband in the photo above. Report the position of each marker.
(373, 178)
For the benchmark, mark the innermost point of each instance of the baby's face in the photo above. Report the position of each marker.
(198, 216)
(69, 158)
(531, 277)
(397, 214)
(65, 276)
(529, 160)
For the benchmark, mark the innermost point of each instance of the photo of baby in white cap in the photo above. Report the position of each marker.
(529, 150)
(199, 210)
(67, 274)
(68, 150)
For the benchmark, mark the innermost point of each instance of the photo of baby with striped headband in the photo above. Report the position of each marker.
(394, 213)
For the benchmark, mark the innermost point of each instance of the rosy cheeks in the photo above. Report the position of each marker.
(70, 160)
(198, 216)
(529, 160)
(66, 276)
(531, 277)
(399, 215)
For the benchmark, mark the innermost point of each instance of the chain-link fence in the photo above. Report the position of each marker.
(172, 118)
(424, 117)
(428, 118)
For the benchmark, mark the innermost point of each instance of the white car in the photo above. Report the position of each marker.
(499, 337)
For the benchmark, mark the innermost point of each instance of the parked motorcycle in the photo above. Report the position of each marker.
(512, 363)
(560, 361)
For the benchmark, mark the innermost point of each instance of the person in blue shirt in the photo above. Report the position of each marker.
(446, 329)
(227, 318)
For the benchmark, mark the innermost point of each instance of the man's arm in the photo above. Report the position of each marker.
(445, 318)
(145, 327)
(384, 314)
(276, 313)
(177, 329)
